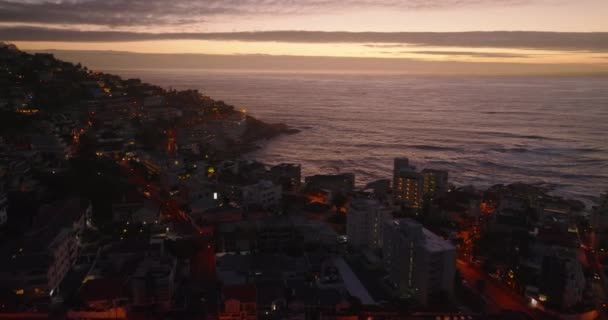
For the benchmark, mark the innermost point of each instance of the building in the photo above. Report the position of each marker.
(421, 264)
(287, 175)
(3, 209)
(239, 302)
(344, 182)
(599, 222)
(275, 235)
(364, 223)
(152, 284)
(407, 188)
(434, 182)
(562, 282)
(263, 194)
(400, 164)
(39, 262)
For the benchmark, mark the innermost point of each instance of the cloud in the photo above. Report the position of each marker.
(474, 54)
(562, 41)
(112, 60)
(124, 13)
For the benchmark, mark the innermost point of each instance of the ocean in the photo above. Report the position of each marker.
(484, 130)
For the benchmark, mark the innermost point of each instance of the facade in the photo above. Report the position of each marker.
(421, 264)
(3, 209)
(263, 194)
(364, 223)
(400, 164)
(343, 182)
(274, 235)
(599, 222)
(407, 188)
(47, 252)
(562, 282)
(239, 302)
(287, 175)
(435, 182)
(152, 283)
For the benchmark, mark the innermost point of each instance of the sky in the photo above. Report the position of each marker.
(549, 32)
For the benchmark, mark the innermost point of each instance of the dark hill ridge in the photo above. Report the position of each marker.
(53, 85)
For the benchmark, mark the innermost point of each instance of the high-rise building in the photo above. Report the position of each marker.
(400, 164)
(421, 264)
(407, 184)
(435, 182)
(287, 175)
(365, 221)
(407, 188)
(562, 281)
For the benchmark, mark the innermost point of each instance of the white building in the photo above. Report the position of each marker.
(263, 194)
(364, 223)
(421, 264)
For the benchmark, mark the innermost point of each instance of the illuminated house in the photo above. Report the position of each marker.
(407, 188)
(435, 182)
(421, 264)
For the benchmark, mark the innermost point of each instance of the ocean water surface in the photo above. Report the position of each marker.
(483, 130)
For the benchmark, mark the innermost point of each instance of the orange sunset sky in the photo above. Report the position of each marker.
(552, 32)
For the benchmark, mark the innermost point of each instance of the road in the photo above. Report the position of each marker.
(169, 206)
(494, 292)
(600, 289)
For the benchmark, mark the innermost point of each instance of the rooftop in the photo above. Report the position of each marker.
(435, 243)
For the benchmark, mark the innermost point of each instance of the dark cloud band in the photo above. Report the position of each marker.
(119, 13)
(588, 42)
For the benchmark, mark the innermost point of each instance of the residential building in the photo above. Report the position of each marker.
(152, 284)
(263, 194)
(239, 302)
(408, 188)
(40, 261)
(364, 223)
(344, 182)
(275, 235)
(287, 175)
(562, 282)
(400, 164)
(599, 222)
(435, 182)
(3, 209)
(421, 264)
